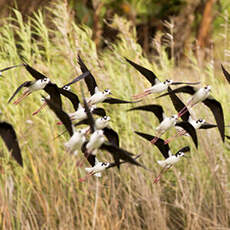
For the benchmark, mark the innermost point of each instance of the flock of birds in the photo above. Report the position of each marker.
(98, 135)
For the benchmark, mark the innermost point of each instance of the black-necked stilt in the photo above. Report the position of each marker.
(10, 138)
(40, 82)
(170, 159)
(157, 85)
(202, 95)
(65, 91)
(166, 122)
(98, 96)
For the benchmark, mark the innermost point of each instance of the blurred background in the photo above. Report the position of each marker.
(193, 23)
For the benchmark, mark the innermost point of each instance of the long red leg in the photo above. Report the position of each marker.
(141, 95)
(178, 134)
(164, 170)
(154, 140)
(86, 177)
(25, 94)
(42, 106)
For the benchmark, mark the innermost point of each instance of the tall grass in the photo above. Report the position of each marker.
(44, 195)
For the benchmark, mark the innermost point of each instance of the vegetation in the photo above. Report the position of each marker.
(46, 194)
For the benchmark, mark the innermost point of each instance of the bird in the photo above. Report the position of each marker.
(226, 73)
(9, 136)
(166, 122)
(40, 82)
(187, 117)
(202, 95)
(170, 159)
(98, 96)
(64, 91)
(157, 85)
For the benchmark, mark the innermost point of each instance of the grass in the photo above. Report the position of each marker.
(192, 195)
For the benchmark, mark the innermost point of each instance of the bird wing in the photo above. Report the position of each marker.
(178, 104)
(207, 126)
(77, 79)
(88, 113)
(184, 89)
(63, 116)
(24, 84)
(10, 138)
(149, 75)
(71, 96)
(10, 67)
(111, 135)
(90, 157)
(34, 73)
(121, 153)
(164, 148)
(111, 100)
(53, 90)
(99, 111)
(157, 110)
(190, 130)
(217, 111)
(226, 73)
(89, 79)
(185, 83)
(184, 150)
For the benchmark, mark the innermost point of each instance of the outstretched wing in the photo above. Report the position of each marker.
(24, 84)
(149, 75)
(34, 73)
(9, 137)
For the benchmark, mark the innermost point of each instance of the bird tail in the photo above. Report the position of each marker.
(161, 163)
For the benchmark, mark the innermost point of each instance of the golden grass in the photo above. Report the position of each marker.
(192, 195)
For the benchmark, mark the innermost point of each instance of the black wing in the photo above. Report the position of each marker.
(226, 73)
(164, 148)
(157, 110)
(89, 114)
(149, 75)
(34, 73)
(184, 89)
(217, 111)
(111, 100)
(121, 153)
(185, 83)
(111, 135)
(71, 96)
(190, 130)
(10, 67)
(76, 79)
(207, 126)
(99, 111)
(184, 150)
(10, 138)
(53, 91)
(63, 116)
(90, 157)
(24, 84)
(89, 79)
(178, 104)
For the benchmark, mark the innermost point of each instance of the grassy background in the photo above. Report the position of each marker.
(192, 195)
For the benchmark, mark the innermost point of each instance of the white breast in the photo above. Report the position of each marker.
(38, 85)
(158, 88)
(165, 124)
(95, 141)
(169, 161)
(96, 98)
(75, 142)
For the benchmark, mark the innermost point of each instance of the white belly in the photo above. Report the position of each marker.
(96, 98)
(169, 161)
(165, 125)
(158, 88)
(78, 115)
(75, 142)
(94, 143)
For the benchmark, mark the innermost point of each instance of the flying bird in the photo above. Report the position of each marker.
(157, 85)
(98, 96)
(166, 122)
(65, 91)
(39, 83)
(170, 159)
(202, 95)
(9, 136)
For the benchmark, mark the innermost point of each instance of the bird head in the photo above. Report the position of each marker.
(66, 87)
(207, 88)
(200, 121)
(168, 82)
(180, 154)
(107, 92)
(174, 117)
